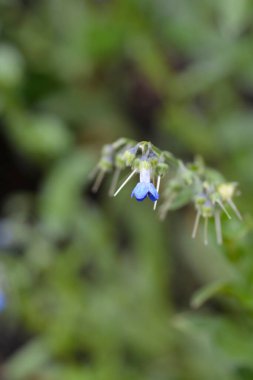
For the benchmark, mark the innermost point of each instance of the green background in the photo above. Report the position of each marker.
(98, 288)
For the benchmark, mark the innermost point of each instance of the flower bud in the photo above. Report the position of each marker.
(200, 199)
(129, 155)
(207, 209)
(153, 159)
(136, 164)
(105, 164)
(119, 161)
(107, 150)
(227, 190)
(144, 164)
(161, 168)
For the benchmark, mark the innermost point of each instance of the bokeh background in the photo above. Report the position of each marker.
(96, 288)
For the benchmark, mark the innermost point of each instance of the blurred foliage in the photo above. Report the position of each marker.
(97, 288)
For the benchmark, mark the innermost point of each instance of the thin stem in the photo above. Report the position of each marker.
(218, 227)
(206, 231)
(196, 225)
(157, 189)
(118, 143)
(114, 182)
(93, 172)
(125, 182)
(98, 181)
(224, 208)
(234, 208)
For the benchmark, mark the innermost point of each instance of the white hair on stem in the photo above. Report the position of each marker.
(125, 182)
(196, 225)
(157, 189)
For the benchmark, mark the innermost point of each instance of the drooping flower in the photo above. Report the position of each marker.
(187, 182)
(145, 187)
(210, 203)
(227, 191)
(205, 209)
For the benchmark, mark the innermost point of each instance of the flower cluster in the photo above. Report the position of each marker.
(183, 184)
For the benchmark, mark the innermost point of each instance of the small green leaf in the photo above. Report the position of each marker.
(204, 294)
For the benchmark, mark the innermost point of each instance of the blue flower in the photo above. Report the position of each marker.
(144, 189)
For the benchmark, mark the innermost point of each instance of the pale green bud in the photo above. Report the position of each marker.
(161, 168)
(207, 209)
(105, 164)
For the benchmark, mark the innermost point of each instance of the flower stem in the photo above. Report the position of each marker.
(218, 227)
(157, 188)
(206, 231)
(115, 179)
(234, 208)
(98, 181)
(224, 209)
(196, 225)
(125, 182)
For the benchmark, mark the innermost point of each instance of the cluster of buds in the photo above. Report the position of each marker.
(210, 203)
(141, 158)
(192, 183)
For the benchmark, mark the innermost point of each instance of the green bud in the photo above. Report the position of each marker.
(128, 157)
(161, 168)
(136, 164)
(107, 150)
(120, 162)
(145, 164)
(207, 209)
(118, 143)
(227, 190)
(200, 199)
(153, 161)
(215, 197)
(106, 164)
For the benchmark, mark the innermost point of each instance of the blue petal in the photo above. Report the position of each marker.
(152, 192)
(140, 191)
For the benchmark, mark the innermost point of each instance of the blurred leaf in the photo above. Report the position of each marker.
(11, 66)
(208, 292)
(40, 137)
(60, 197)
(26, 362)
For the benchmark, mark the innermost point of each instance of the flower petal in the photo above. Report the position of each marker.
(152, 192)
(140, 191)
